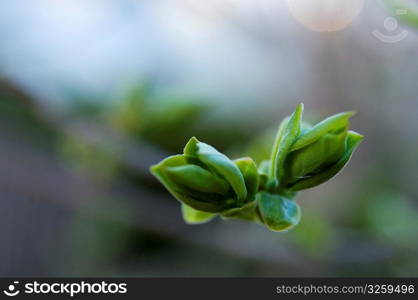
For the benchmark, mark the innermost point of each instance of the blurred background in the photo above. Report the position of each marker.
(94, 92)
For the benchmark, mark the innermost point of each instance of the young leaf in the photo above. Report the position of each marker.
(198, 179)
(275, 149)
(208, 202)
(264, 167)
(331, 123)
(193, 216)
(250, 173)
(352, 141)
(219, 164)
(290, 133)
(325, 151)
(277, 212)
(263, 171)
(247, 212)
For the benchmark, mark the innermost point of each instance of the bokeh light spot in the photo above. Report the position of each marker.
(325, 15)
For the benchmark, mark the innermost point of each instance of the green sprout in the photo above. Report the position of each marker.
(208, 183)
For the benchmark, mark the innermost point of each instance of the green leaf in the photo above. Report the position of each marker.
(277, 212)
(198, 179)
(352, 142)
(208, 202)
(286, 139)
(218, 163)
(193, 216)
(250, 173)
(332, 123)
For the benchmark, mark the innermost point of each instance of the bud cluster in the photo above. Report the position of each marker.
(208, 183)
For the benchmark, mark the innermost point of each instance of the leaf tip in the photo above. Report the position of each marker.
(347, 114)
(355, 136)
(299, 108)
(191, 146)
(153, 168)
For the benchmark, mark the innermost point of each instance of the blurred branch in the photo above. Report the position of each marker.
(136, 155)
(22, 115)
(8, 89)
(38, 176)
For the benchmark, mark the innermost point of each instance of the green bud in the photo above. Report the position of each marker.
(197, 178)
(352, 142)
(219, 164)
(193, 216)
(316, 150)
(208, 183)
(207, 202)
(316, 156)
(277, 212)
